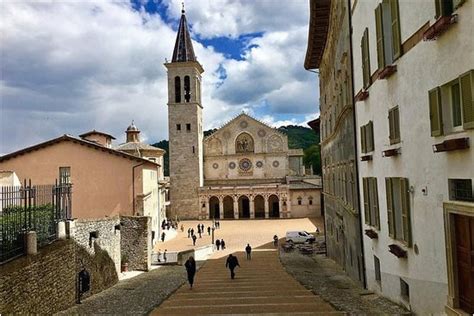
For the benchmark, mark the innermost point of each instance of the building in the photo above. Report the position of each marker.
(329, 50)
(106, 182)
(243, 170)
(413, 81)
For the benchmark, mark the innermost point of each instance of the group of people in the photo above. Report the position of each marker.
(220, 244)
(201, 230)
(160, 255)
(168, 223)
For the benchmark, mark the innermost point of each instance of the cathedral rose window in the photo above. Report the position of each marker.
(259, 164)
(232, 165)
(245, 164)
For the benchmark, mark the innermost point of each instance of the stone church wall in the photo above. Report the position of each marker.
(305, 209)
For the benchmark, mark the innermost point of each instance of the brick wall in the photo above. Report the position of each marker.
(136, 241)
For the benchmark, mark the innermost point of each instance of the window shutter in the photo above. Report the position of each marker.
(369, 134)
(405, 210)
(435, 112)
(391, 131)
(390, 219)
(362, 139)
(375, 204)
(379, 34)
(467, 100)
(396, 125)
(439, 5)
(396, 40)
(365, 184)
(365, 58)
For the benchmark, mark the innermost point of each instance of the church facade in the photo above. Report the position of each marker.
(243, 170)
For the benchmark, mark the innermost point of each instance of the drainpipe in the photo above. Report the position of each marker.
(133, 184)
(356, 160)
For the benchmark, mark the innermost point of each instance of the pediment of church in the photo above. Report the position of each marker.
(243, 135)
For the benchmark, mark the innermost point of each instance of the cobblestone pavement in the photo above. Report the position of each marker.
(136, 296)
(328, 280)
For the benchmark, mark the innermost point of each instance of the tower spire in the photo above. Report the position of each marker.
(183, 48)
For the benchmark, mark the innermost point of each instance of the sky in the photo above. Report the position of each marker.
(69, 67)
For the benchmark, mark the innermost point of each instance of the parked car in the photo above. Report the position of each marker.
(299, 236)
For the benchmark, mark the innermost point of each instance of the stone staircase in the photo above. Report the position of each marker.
(261, 286)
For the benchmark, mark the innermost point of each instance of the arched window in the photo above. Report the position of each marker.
(187, 88)
(244, 143)
(177, 89)
(310, 200)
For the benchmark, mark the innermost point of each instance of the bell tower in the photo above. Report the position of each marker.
(185, 126)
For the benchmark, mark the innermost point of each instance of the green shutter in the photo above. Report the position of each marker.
(436, 121)
(467, 100)
(365, 58)
(365, 184)
(390, 219)
(375, 203)
(396, 125)
(439, 5)
(396, 39)
(406, 223)
(363, 142)
(391, 127)
(369, 134)
(379, 34)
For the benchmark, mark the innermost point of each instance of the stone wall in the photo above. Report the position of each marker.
(136, 241)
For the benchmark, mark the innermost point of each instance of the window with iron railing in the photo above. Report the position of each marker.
(461, 190)
(64, 175)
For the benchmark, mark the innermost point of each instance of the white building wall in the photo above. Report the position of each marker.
(424, 67)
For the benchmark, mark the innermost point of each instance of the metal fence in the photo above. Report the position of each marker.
(31, 208)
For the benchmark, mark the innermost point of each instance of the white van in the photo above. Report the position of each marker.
(299, 236)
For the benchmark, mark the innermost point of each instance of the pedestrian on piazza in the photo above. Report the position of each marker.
(164, 255)
(189, 232)
(218, 244)
(202, 228)
(232, 262)
(209, 230)
(191, 270)
(163, 235)
(194, 240)
(222, 244)
(199, 228)
(199, 232)
(248, 250)
(192, 232)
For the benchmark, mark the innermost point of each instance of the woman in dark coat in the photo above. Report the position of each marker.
(191, 269)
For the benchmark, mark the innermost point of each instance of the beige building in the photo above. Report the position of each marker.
(106, 182)
(243, 170)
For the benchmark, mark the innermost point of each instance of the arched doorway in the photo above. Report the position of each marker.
(244, 207)
(214, 207)
(259, 203)
(228, 207)
(274, 206)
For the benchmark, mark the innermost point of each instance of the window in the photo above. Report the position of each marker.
(404, 290)
(387, 23)
(188, 127)
(367, 137)
(398, 209)
(187, 89)
(446, 7)
(461, 190)
(365, 58)
(64, 175)
(299, 200)
(394, 125)
(378, 277)
(178, 127)
(371, 202)
(177, 89)
(310, 200)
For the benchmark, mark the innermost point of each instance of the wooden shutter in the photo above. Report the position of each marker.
(467, 101)
(365, 185)
(396, 124)
(436, 121)
(390, 219)
(391, 126)
(365, 58)
(375, 203)
(396, 39)
(439, 5)
(362, 139)
(379, 34)
(406, 221)
(369, 134)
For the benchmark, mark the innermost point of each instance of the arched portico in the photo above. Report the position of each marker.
(228, 207)
(259, 203)
(244, 207)
(214, 207)
(274, 206)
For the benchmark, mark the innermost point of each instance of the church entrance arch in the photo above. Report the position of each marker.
(214, 207)
(244, 207)
(259, 206)
(274, 206)
(228, 207)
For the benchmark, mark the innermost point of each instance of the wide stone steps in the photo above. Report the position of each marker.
(261, 286)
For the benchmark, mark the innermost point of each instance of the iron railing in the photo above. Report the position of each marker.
(31, 208)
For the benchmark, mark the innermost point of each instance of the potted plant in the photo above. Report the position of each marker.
(124, 263)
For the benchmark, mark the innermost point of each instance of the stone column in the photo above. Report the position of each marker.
(280, 206)
(208, 215)
(221, 207)
(236, 207)
(288, 207)
(31, 243)
(61, 230)
(252, 207)
(267, 209)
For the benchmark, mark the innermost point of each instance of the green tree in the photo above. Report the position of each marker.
(312, 157)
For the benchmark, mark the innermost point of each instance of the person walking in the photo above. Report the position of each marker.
(202, 228)
(199, 232)
(189, 232)
(158, 255)
(182, 228)
(275, 240)
(209, 230)
(194, 240)
(163, 235)
(231, 263)
(222, 244)
(164, 256)
(191, 270)
(248, 250)
(192, 232)
(218, 244)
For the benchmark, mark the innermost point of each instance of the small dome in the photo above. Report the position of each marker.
(132, 127)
